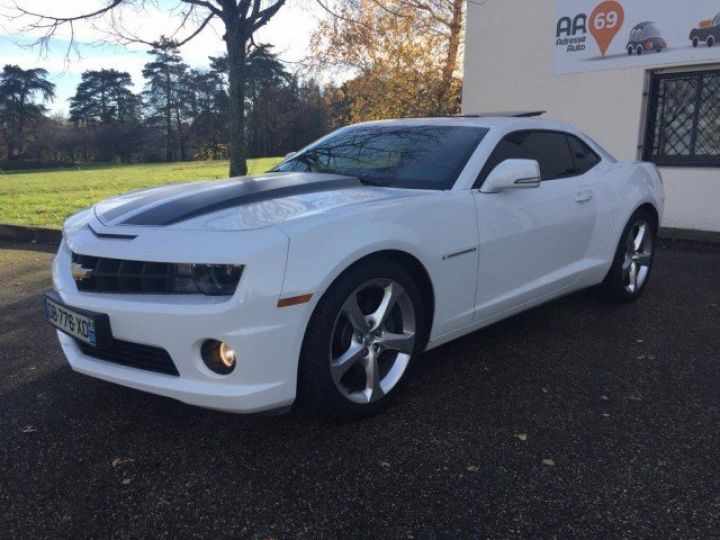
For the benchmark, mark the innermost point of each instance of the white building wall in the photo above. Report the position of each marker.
(508, 66)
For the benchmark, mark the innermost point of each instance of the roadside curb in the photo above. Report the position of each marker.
(670, 237)
(33, 235)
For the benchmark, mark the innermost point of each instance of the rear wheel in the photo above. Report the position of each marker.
(361, 340)
(710, 41)
(630, 50)
(633, 260)
(639, 50)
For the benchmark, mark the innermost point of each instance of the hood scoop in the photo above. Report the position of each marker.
(112, 236)
(167, 206)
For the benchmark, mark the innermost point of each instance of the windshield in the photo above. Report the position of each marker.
(716, 20)
(418, 157)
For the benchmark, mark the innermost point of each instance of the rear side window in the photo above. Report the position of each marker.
(560, 155)
(583, 156)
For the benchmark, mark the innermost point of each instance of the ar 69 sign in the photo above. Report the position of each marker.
(591, 35)
(605, 22)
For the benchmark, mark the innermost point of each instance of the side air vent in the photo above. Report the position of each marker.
(133, 355)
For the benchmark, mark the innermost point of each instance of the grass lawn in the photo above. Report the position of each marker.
(46, 198)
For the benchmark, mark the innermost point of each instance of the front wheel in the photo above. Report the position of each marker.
(361, 340)
(633, 260)
(695, 42)
(710, 41)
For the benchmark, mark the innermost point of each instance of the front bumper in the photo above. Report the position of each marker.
(266, 339)
(241, 397)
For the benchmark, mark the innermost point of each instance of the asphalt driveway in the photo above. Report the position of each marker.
(575, 419)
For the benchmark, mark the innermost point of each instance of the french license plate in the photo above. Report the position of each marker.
(88, 327)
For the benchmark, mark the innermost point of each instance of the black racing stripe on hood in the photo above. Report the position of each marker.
(145, 199)
(235, 194)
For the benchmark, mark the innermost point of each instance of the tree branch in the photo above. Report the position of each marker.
(206, 5)
(342, 17)
(261, 18)
(62, 20)
(199, 29)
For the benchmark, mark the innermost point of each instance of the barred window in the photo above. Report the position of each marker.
(683, 126)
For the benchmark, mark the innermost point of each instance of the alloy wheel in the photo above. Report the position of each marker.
(638, 256)
(372, 340)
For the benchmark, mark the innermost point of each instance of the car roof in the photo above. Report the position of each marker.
(644, 24)
(489, 122)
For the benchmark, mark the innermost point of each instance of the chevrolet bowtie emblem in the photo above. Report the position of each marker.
(80, 272)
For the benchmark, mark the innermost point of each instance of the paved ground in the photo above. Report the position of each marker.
(575, 419)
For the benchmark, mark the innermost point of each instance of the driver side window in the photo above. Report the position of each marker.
(549, 148)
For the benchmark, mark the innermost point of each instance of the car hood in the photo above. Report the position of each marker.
(239, 203)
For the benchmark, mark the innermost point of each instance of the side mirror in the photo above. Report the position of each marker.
(288, 156)
(513, 174)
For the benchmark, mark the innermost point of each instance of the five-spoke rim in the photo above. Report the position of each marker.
(638, 256)
(372, 340)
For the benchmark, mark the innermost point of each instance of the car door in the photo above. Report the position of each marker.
(533, 242)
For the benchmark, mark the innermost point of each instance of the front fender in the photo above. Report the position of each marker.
(426, 227)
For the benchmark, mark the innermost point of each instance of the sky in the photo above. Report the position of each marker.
(289, 31)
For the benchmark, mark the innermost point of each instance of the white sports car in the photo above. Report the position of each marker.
(326, 278)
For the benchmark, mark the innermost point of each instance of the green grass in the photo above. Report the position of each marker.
(46, 198)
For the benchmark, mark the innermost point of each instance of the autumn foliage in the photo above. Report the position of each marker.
(401, 57)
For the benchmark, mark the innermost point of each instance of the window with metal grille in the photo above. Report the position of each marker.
(683, 127)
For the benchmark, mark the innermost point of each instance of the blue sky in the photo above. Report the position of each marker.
(66, 75)
(289, 31)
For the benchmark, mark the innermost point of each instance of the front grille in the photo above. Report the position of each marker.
(119, 275)
(133, 355)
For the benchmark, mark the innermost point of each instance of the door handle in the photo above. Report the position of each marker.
(583, 197)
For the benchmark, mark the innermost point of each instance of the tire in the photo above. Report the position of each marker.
(639, 50)
(353, 360)
(630, 271)
(710, 41)
(630, 50)
(695, 42)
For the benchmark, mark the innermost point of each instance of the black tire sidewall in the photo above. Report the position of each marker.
(316, 387)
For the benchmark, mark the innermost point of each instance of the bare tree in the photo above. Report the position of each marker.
(240, 18)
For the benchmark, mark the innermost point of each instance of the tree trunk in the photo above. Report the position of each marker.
(20, 141)
(168, 117)
(235, 41)
(450, 64)
(181, 134)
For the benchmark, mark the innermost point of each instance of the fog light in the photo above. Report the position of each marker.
(218, 356)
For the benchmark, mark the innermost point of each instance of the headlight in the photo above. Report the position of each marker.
(210, 279)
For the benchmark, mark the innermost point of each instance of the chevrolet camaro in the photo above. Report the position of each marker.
(323, 280)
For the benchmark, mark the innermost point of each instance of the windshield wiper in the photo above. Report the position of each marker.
(374, 181)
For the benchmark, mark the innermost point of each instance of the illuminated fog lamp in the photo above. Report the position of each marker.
(218, 356)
